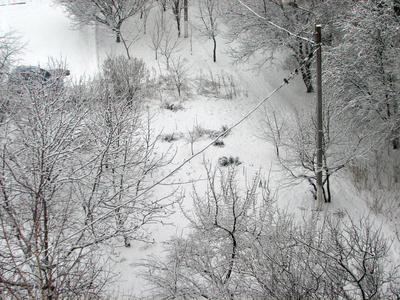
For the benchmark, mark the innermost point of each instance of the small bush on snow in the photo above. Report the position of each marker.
(171, 137)
(229, 161)
(219, 143)
(172, 106)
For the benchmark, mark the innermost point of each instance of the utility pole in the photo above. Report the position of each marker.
(319, 117)
(186, 19)
(318, 42)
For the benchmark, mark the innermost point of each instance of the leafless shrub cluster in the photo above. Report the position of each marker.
(292, 133)
(179, 73)
(242, 247)
(218, 85)
(376, 179)
(172, 106)
(128, 78)
(199, 132)
(176, 78)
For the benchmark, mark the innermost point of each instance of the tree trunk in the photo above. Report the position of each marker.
(118, 40)
(118, 32)
(395, 143)
(301, 53)
(127, 242)
(176, 9)
(178, 24)
(327, 194)
(307, 78)
(396, 7)
(186, 19)
(215, 49)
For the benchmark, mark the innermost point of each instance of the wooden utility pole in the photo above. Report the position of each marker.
(320, 132)
(186, 19)
(319, 118)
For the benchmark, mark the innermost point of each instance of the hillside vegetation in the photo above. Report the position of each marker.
(141, 158)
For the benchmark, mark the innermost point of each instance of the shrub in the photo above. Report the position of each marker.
(229, 161)
(127, 78)
(172, 106)
(179, 70)
(219, 85)
(242, 247)
(169, 137)
(219, 143)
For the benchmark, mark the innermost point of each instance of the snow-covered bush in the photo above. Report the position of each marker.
(75, 170)
(129, 78)
(170, 137)
(218, 85)
(225, 161)
(242, 247)
(219, 143)
(46, 250)
(179, 72)
(172, 106)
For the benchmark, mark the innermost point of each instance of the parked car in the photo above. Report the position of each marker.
(36, 76)
(30, 73)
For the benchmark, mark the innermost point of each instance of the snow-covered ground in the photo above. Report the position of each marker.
(47, 33)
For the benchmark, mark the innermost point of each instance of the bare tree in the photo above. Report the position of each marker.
(109, 13)
(157, 33)
(163, 4)
(292, 30)
(370, 97)
(121, 160)
(179, 72)
(293, 137)
(177, 9)
(128, 78)
(10, 46)
(206, 264)
(39, 159)
(241, 246)
(169, 44)
(75, 167)
(144, 13)
(209, 15)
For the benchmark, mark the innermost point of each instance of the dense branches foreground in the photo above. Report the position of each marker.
(74, 164)
(77, 160)
(241, 247)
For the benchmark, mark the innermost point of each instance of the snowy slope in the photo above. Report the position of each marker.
(47, 33)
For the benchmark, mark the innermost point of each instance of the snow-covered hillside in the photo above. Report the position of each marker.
(47, 32)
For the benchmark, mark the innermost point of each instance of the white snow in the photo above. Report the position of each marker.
(47, 33)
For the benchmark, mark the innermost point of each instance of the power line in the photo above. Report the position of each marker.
(286, 81)
(275, 25)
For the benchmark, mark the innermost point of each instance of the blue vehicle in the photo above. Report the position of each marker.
(36, 76)
(30, 73)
